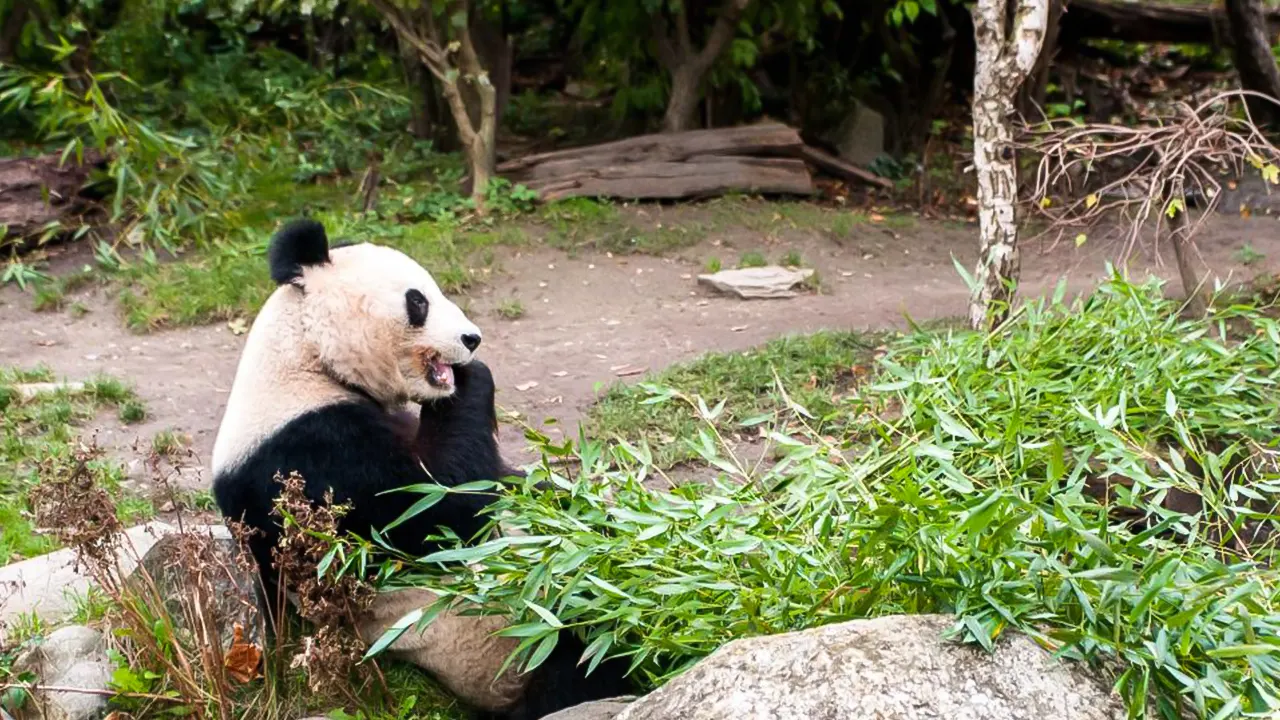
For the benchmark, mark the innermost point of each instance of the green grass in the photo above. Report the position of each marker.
(752, 259)
(232, 281)
(510, 309)
(1020, 481)
(814, 369)
(37, 437)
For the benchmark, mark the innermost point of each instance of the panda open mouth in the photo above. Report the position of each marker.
(440, 374)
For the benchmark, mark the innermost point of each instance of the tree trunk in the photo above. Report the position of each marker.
(11, 30)
(1251, 49)
(1180, 237)
(1031, 97)
(449, 52)
(688, 67)
(682, 105)
(1007, 51)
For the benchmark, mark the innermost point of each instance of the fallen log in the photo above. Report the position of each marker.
(835, 167)
(1149, 22)
(37, 192)
(700, 176)
(764, 158)
(747, 140)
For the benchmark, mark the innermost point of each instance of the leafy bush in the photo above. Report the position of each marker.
(1021, 480)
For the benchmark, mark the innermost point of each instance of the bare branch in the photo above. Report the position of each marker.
(722, 32)
(683, 38)
(1136, 172)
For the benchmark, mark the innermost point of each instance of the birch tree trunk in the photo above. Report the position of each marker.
(1008, 45)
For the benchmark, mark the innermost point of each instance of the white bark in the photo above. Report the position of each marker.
(1006, 56)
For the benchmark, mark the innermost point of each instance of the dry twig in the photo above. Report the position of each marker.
(1162, 162)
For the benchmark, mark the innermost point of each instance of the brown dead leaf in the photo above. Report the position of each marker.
(1245, 212)
(242, 658)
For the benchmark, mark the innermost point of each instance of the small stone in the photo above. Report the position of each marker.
(27, 391)
(526, 387)
(763, 282)
(73, 657)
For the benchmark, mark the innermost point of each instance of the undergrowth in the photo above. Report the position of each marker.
(38, 438)
(1100, 475)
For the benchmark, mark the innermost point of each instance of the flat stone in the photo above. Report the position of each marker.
(46, 585)
(860, 137)
(760, 282)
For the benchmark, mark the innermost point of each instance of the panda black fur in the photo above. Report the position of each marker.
(351, 334)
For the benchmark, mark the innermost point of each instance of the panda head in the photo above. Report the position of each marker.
(374, 319)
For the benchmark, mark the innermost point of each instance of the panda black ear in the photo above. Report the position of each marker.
(297, 245)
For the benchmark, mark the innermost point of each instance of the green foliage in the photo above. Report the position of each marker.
(752, 259)
(37, 439)
(619, 35)
(967, 482)
(815, 369)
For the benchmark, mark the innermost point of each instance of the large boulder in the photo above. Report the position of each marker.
(889, 668)
(206, 567)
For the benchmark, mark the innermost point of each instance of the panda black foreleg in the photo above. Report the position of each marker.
(456, 439)
(560, 682)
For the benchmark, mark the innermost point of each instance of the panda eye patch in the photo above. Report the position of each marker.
(416, 305)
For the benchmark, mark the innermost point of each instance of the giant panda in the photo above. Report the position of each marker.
(349, 336)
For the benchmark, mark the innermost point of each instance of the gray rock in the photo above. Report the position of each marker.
(859, 138)
(890, 668)
(760, 282)
(596, 710)
(73, 659)
(179, 564)
(45, 586)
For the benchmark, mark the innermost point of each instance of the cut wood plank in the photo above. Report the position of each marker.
(770, 138)
(1153, 22)
(660, 180)
(836, 167)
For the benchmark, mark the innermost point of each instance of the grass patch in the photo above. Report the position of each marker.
(752, 259)
(815, 370)
(37, 436)
(511, 309)
(232, 281)
(1020, 481)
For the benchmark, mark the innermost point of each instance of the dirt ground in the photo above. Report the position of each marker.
(593, 319)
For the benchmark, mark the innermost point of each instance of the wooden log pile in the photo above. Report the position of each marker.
(1151, 22)
(767, 158)
(36, 192)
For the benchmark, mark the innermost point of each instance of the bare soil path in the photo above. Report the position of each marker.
(593, 319)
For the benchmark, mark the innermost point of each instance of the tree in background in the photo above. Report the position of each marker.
(1008, 45)
(1254, 61)
(688, 65)
(667, 53)
(440, 34)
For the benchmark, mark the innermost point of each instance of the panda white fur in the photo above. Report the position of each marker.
(346, 339)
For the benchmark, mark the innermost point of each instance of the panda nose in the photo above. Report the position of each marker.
(471, 341)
